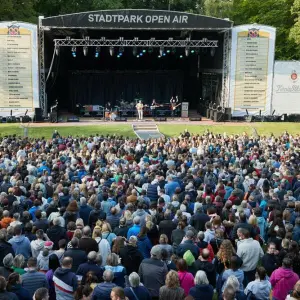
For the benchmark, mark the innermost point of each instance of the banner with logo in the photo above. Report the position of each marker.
(19, 84)
(286, 87)
(251, 72)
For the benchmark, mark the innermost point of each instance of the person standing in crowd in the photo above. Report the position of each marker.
(250, 253)
(136, 290)
(103, 290)
(172, 289)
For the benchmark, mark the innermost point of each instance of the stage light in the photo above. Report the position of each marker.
(111, 51)
(57, 50)
(192, 51)
(137, 56)
(97, 52)
(212, 52)
(187, 51)
(159, 56)
(74, 51)
(120, 54)
(134, 51)
(164, 54)
(181, 56)
(144, 51)
(168, 51)
(141, 54)
(85, 51)
(161, 51)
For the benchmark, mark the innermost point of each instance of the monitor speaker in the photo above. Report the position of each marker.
(219, 116)
(197, 119)
(73, 119)
(26, 119)
(160, 119)
(121, 119)
(11, 119)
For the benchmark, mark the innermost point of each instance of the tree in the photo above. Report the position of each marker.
(273, 13)
(218, 8)
(295, 30)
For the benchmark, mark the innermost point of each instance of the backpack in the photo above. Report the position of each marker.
(189, 257)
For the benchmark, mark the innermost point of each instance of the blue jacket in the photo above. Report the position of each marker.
(21, 293)
(33, 280)
(134, 230)
(102, 291)
(140, 291)
(170, 188)
(119, 274)
(202, 291)
(152, 192)
(84, 213)
(21, 245)
(144, 246)
(84, 268)
(296, 233)
(65, 282)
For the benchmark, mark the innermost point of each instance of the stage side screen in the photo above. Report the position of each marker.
(286, 87)
(251, 72)
(19, 82)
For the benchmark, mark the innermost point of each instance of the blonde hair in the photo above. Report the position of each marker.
(106, 227)
(97, 232)
(226, 251)
(172, 279)
(252, 220)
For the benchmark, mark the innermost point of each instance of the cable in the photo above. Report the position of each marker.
(54, 51)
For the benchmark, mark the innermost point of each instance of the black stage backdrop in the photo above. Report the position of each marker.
(98, 88)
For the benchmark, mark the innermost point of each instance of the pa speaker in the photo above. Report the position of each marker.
(197, 119)
(218, 116)
(38, 117)
(121, 119)
(160, 119)
(11, 119)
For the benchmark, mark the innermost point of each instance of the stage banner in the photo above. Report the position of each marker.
(251, 71)
(19, 84)
(286, 87)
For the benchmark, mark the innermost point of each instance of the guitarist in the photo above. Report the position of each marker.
(154, 105)
(174, 105)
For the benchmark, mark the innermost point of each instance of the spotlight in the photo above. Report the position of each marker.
(118, 56)
(181, 56)
(137, 56)
(111, 51)
(121, 53)
(168, 51)
(159, 56)
(141, 54)
(85, 51)
(97, 52)
(56, 50)
(134, 51)
(74, 51)
(161, 51)
(187, 51)
(192, 51)
(164, 54)
(144, 51)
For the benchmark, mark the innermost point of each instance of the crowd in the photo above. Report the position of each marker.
(107, 217)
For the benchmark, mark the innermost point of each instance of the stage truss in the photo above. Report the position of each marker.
(226, 69)
(204, 43)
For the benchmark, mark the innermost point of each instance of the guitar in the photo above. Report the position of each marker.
(155, 106)
(174, 106)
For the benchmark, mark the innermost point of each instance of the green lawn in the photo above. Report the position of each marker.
(167, 129)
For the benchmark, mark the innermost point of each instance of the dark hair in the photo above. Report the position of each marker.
(32, 262)
(287, 262)
(12, 279)
(53, 262)
(181, 265)
(41, 294)
(62, 243)
(261, 271)
(83, 290)
(2, 284)
(38, 214)
(18, 230)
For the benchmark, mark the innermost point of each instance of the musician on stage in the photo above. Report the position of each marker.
(153, 107)
(174, 104)
(139, 108)
(108, 107)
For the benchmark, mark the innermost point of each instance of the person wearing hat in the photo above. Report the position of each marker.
(188, 244)
(151, 266)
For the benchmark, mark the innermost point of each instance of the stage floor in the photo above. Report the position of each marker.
(131, 121)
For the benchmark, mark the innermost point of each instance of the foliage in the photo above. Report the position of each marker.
(273, 13)
(218, 8)
(295, 30)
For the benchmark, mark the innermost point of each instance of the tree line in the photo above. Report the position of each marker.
(282, 14)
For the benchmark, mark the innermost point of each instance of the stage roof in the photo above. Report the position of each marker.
(137, 19)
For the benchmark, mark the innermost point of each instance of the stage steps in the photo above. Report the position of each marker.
(145, 131)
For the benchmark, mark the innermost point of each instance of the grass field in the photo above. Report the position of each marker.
(167, 129)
